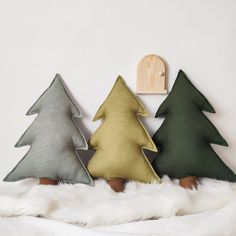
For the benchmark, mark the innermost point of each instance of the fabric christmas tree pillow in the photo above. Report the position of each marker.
(53, 138)
(184, 138)
(120, 140)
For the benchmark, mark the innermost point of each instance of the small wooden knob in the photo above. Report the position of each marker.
(45, 181)
(189, 182)
(117, 184)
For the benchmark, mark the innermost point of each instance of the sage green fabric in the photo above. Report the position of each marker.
(120, 139)
(185, 136)
(53, 137)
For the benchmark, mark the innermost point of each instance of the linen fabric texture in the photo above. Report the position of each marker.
(120, 139)
(185, 137)
(53, 138)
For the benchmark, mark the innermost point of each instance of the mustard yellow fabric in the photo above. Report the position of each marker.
(120, 139)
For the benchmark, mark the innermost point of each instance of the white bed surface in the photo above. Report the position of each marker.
(212, 223)
(107, 213)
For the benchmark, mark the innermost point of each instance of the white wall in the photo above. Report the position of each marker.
(90, 42)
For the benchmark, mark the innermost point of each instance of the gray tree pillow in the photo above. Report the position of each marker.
(53, 138)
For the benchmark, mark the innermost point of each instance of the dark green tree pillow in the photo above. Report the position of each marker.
(184, 138)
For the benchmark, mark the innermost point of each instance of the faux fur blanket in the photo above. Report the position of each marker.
(100, 206)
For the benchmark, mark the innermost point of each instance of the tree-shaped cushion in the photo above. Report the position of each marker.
(53, 138)
(120, 139)
(184, 138)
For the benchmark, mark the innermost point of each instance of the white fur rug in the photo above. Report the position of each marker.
(100, 206)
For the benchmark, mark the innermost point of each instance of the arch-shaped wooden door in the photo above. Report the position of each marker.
(151, 75)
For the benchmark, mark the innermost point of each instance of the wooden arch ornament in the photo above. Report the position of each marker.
(151, 75)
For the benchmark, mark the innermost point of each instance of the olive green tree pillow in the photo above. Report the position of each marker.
(53, 138)
(120, 139)
(184, 138)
